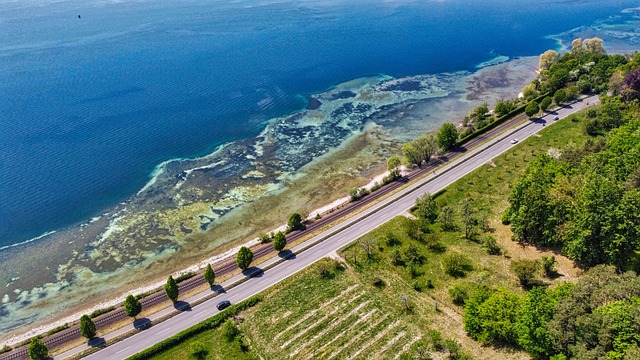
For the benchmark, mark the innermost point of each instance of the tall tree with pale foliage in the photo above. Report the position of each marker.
(548, 58)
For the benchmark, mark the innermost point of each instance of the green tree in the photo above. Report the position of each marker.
(491, 245)
(171, 288)
(244, 258)
(503, 107)
(560, 96)
(230, 330)
(279, 241)
(132, 306)
(393, 165)
(295, 222)
(536, 311)
(87, 327)
(492, 317)
(545, 103)
(532, 108)
(447, 136)
(209, 275)
(37, 349)
(446, 218)
(467, 213)
(425, 207)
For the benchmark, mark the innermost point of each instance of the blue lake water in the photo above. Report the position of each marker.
(90, 105)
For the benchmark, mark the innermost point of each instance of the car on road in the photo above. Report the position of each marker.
(556, 118)
(514, 141)
(223, 305)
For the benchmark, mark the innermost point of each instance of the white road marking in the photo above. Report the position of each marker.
(123, 350)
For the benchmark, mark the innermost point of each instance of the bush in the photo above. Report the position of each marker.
(416, 285)
(396, 258)
(491, 246)
(505, 218)
(377, 282)
(198, 350)
(436, 339)
(264, 238)
(525, 270)
(429, 284)
(549, 265)
(230, 330)
(457, 265)
(460, 293)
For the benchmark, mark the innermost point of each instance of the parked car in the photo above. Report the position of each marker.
(223, 305)
(514, 141)
(556, 118)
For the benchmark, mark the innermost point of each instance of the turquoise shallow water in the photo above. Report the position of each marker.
(90, 105)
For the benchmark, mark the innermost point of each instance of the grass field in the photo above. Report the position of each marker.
(368, 307)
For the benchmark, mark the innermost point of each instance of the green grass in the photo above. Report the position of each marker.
(216, 345)
(345, 314)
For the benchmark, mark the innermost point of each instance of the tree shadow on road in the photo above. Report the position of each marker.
(253, 271)
(218, 288)
(182, 306)
(97, 342)
(142, 324)
(287, 255)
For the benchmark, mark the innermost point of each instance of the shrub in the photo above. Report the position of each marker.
(506, 217)
(460, 293)
(230, 330)
(198, 350)
(429, 284)
(396, 258)
(417, 286)
(264, 238)
(549, 265)
(377, 282)
(457, 265)
(525, 270)
(491, 246)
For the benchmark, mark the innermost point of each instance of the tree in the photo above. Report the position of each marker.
(425, 207)
(87, 327)
(495, 318)
(428, 146)
(560, 96)
(37, 349)
(279, 241)
(393, 165)
(468, 217)
(576, 47)
(244, 258)
(132, 306)
(491, 245)
(412, 154)
(446, 218)
(171, 288)
(199, 350)
(532, 108)
(447, 136)
(547, 59)
(295, 222)
(230, 330)
(209, 275)
(594, 45)
(545, 103)
(502, 108)
(367, 245)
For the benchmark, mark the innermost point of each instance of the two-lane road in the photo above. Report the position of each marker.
(336, 237)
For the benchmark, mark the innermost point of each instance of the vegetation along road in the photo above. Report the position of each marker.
(336, 237)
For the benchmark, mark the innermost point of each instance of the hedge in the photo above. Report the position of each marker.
(211, 323)
(498, 121)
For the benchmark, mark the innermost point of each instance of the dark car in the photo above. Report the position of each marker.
(556, 118)
(223, 305)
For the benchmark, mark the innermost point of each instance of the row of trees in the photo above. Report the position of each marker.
(598, 317)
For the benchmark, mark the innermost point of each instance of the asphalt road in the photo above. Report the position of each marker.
(350, 230)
